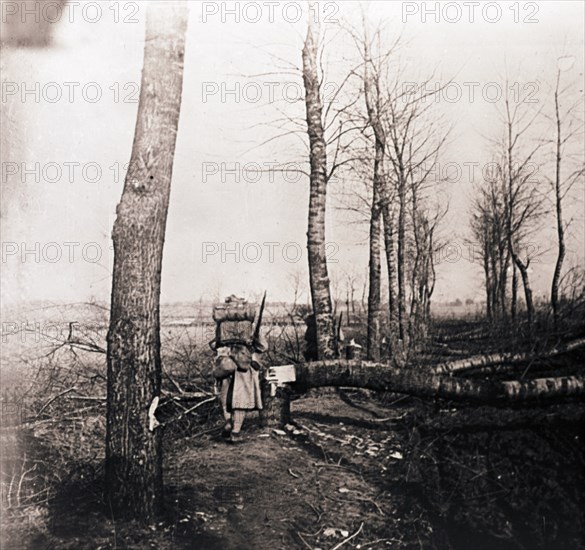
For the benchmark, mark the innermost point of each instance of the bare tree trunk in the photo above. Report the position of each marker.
(432, 276)
(414, 318)
(504, 262)
(514, 183)
(527, 290)
(488, 279)
(133, 448)
(554, 293)
(388, 220)
(514, 299)
(374, 295)
(318, 274)
(276, 408)
(347, 321)
(371, 96)
(400, 257)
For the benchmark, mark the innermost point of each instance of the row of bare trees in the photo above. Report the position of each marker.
(395, 142)
(512, 203)
(398, 137)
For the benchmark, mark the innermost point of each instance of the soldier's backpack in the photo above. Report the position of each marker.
(234, 320)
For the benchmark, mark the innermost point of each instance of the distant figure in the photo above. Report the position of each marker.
(237, 363)
(311, 350)
(353, 350)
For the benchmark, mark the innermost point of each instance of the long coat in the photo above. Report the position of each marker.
(245, 392)
(242, 389)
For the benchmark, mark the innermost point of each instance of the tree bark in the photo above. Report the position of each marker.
(134, 481)
(420, 383)
(400, 256)
(374, 293)
(388, 220)
(318, 273)
(514, 298)
(487, 277)
(504, 263)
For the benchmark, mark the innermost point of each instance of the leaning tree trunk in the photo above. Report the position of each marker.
(523, 268)
(434, 382)
(554, 293)
(133, 448)
(318, 274)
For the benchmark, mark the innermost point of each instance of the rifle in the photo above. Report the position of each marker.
(259, 322)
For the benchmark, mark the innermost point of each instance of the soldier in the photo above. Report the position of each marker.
(310, 352)
(237, 364)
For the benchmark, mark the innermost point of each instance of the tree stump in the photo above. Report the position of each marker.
(276, 411)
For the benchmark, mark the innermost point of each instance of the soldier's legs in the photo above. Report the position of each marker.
(238, 416)
(223, 396)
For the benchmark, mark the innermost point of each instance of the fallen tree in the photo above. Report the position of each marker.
(481, 361)
(421, 383)
(415, 382)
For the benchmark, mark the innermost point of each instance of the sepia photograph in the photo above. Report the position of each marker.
(284, 275)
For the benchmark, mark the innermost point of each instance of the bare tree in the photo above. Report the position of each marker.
(318, 272)
(524, 203)
(404, 137)
(565, 132)
(423, 276)
(133, 447)
(373, 77)
(415, 137)
(488, 227)
(380, 203)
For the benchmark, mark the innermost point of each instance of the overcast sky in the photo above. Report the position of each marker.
(211, 212)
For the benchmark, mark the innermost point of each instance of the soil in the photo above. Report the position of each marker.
(355, 470)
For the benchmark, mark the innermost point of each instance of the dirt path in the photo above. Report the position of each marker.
(311, 486)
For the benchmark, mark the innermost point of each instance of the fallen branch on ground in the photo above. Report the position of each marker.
(54, 398)
(348, 538)
(185, 413)
(482, 361)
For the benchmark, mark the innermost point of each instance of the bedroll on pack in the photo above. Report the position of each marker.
(234, 309)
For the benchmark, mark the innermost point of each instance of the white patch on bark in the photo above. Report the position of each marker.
(152, 421)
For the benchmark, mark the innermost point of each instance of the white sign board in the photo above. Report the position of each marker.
(281, 374)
